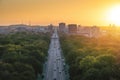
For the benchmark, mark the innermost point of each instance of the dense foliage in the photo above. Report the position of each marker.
(22, 55)
(92, 58)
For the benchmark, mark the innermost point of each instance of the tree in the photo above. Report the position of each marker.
(87, 63)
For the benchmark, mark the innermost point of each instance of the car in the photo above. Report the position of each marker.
(60, 72)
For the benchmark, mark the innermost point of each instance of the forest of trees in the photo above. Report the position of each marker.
(92, 58)
(22, 55)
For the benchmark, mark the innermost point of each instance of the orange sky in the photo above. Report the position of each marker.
(44, 12)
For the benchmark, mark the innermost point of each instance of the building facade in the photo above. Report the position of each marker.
(62, 27)
(72, 28)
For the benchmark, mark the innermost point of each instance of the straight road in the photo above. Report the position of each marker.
(55, 66)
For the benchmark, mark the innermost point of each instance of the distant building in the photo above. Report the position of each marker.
(38, 28)
(95, 31)
(50, 28)
(62, 27)
(72, 28)
(4, 30)
(89, 31)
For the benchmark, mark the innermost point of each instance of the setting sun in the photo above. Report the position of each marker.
(114, 15)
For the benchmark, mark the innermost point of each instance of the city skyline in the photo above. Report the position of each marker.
(44, 12)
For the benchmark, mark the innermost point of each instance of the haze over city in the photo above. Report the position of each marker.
(44, 12)
(59, 39)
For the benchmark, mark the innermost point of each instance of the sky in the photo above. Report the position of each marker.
(44, 12)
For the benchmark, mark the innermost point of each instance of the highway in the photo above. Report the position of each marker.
(55, 65)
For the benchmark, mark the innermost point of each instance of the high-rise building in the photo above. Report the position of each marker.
(72, 28)
(62, 27)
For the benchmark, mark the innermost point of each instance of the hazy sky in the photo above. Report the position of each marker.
(84, 12)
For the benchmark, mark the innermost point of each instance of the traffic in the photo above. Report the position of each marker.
(55, 66)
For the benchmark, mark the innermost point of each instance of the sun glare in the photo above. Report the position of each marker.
(114, 15)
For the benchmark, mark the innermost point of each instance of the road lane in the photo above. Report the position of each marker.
(55, 63)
